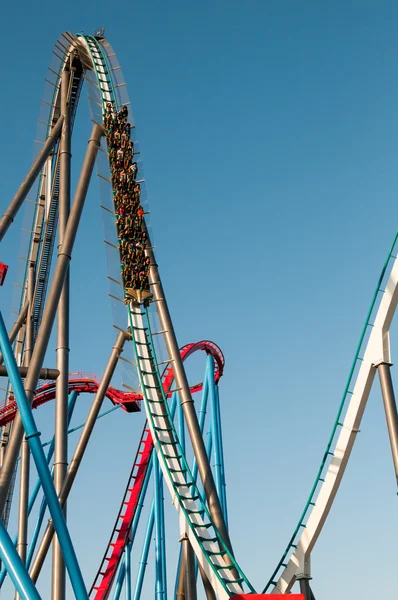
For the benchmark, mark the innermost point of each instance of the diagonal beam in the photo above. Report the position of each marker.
(64, 257)
(29, 180)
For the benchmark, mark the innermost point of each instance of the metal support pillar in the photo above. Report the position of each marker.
(27, 183)
(305, 588)
(62, 349)
(190, 579)
(22, 543)
(180, 591)
(187, 402)
(390, 408)
(79, 451)
(44, 333)
(128, 571)
(50, 374)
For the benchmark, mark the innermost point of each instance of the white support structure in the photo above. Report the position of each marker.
(377, 351)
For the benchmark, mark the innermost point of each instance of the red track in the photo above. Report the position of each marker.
(128, 507)
(130, 401)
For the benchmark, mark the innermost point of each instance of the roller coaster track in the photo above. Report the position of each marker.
(212, 553)
(373, 349)
(131, 499)
(194, 517)
(130, 402)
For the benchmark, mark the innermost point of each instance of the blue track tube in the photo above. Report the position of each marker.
(159, 589)
(218, 466)
(36, 489)
(181, 425)
(224, 485)
(128, 569)
(14, 565)
(202, 418)
(120, 580)
(32, 435)
(43, 505)
(163, 535)
(144, 553)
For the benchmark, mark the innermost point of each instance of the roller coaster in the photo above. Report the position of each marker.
(178, 446)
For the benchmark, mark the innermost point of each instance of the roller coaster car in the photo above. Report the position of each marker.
(3, 272)
(138, 296)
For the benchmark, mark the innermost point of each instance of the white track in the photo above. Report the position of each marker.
(377, 351)
(162, 436)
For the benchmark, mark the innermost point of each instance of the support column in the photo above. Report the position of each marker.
(390, 408)
(22, 543)
(190, 579)
(305, 587)
(80, 449)
(187, 403)
(62, 349)
(50, 309)
(27, 183)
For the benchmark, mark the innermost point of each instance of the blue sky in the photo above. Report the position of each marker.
(268, 130)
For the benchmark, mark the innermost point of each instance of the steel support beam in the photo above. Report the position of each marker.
(44, 333)
(22, 543)
(186, 400)
(190, 578)
(50, 374)
(29, 180)
(305, 588)
(79, 451)
(62, 349)
(390, 408)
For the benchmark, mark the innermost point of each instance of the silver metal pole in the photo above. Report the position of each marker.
(210, 593)
(305, 588)
(390, 408)
(62, 349)
(27, 183)
(190, 578)
(44, 333)
(187, 403)
(180, 592)
(17, 326)
(22, 543)
(80, 449)
(50, 374)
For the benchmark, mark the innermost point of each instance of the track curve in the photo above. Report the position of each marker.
(106, 573)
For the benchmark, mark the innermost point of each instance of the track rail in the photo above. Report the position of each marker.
(131, 499)
(195, 520)
(370, 352)
(214, 557)
(129, 401)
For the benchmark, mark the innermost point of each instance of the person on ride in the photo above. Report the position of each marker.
(126, 162)
(119, 154)
(116, 138)
(133, 170)
(124, 139)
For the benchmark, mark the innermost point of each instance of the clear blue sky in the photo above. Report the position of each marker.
(269, 133)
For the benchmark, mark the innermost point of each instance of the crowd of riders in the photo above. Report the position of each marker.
(129, 213)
